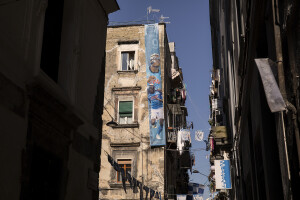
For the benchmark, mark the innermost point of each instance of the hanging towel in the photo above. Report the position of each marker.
(129, 179)
(113, 163)
(152, 193)
(147, 191)
(116, 166)
(180, 142)
(181, 197)
(185, 134)
(197, 197)
(135, 185)
(140, 185)
(123, 179)
(211, 141)
(156, 195)
(110, 160)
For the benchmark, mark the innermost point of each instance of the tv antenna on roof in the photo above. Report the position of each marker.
(151, 10)
(162, 18)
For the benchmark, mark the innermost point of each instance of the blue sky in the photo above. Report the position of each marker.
(189, 28)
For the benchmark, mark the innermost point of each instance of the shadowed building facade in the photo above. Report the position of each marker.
(51, 93)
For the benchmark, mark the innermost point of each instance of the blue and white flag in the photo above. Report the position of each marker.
(195, 188)
(197, 197)
(199, 135)
(222, 173)
(154, 86)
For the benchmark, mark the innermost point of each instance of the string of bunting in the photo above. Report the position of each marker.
(133, 182)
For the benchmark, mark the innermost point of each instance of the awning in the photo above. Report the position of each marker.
(219, 132)
(125, 108)
(274, 97)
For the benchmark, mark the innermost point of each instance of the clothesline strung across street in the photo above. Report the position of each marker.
(134, 183)
(190, 98)
(192, 150)
(140, 138)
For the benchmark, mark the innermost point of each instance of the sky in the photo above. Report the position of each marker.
(189, 28)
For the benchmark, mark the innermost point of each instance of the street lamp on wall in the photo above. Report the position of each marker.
(111, 123)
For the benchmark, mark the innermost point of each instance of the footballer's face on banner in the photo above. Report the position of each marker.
(155, 63)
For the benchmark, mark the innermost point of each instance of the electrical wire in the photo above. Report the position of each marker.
(140, 138)
(106, 153)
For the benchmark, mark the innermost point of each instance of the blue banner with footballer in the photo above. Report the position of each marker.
(222, 173)
(154, 86)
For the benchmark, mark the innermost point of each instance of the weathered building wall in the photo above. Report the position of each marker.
(130, 141)
(48, 135)
(266, 164)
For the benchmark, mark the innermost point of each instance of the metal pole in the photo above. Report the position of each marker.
(283, 156)
(141, 193)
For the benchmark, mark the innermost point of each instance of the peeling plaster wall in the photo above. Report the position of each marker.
(118, 85)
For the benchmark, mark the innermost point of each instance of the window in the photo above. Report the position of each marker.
(52, 38)
(127, 60)
(125, 112)
(126, 165)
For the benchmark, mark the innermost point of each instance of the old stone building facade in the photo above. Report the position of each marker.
(263, 144)
(126, 103)
(51, 81)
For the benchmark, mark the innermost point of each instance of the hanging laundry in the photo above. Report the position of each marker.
(156, 195)
(123, 179)
(192, 159)
(180, 142)
(207, 145)
(178, 96)
(199, 135)
(211, 141)
(183, 94)
(186, 136)
(152, 193)
(110, 160)
(113, 163)
(197, 197)
(147, 191)
(181, 197)
(135, 185)
(116, 166)
(140, 185)
(129, 179)
(173, 96)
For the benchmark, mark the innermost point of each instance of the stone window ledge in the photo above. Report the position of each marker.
(127, 71)
(118, 185)
(135, 125)
(117, 89)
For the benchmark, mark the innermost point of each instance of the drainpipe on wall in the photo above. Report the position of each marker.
(298, 66)
(281, 81)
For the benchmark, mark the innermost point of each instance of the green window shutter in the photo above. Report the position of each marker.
(125, 108)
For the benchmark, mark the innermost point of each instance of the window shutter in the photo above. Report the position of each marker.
(125, 108)
(124, 60)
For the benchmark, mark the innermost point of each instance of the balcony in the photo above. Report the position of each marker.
(219, 134)
(172, 135)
